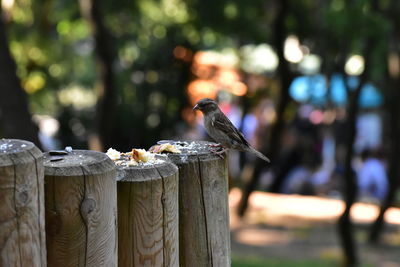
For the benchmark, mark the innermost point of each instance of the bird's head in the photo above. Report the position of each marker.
(206, 105)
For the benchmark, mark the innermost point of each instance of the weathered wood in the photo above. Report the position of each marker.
(148, 215)
(203, 206)
(22, 238)
(81, 210)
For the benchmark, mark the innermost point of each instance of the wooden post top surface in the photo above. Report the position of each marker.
(191, 151)
(76, 162)
(144, 172)
(20, 150)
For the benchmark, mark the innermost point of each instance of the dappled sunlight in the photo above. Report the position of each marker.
(297, 227)
(277, 208)
(262, 237)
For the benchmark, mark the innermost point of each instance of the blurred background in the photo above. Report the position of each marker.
(314, 85)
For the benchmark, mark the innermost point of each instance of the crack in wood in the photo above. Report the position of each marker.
(17, 210)
(163, 213)
(209, 249)
(130, 219)
(85, 222)
(39, 203)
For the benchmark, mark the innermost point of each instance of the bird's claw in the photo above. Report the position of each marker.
(220, 150)
(218, 153)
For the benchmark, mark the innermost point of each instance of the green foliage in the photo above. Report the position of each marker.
(354, 21)
(254, 261)
(54, 49)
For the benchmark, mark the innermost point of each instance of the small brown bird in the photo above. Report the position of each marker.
(221, 129)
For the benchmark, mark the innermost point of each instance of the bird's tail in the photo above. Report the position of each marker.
(258, 154)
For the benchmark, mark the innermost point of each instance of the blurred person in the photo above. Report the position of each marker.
(322, 176)
(250, 125)
(288, 159)
(369, 132)
(265, 114)
(301, 179)
(300, 154)
(371, 176)
(47, 130)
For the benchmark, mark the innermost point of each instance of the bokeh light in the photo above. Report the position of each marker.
(292, 49)
(258, 58)
(354, 65)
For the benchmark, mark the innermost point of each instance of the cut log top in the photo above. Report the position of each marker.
(77, 162)
(145, 172)
(14, 151)
(191, 151)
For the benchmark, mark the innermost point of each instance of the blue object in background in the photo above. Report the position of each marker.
(312, 89)
(370, 96)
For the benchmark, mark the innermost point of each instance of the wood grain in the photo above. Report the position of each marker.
(81, 210)
(203, 207)
(148, 216)
(22, 229)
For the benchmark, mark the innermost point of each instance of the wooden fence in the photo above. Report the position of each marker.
(203, 206)
(171, 213)
(22, 232)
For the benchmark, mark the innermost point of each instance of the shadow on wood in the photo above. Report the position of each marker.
(81, 209)
(22, 238)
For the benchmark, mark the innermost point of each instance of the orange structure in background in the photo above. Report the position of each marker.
(211, 76)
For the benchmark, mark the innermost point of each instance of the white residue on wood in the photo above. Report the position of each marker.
(6, 147)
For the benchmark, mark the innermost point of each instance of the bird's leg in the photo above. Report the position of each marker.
(218, 151)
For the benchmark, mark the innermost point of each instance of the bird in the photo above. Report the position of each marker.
(221, 129)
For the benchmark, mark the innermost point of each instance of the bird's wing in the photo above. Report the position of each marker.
(223, 124)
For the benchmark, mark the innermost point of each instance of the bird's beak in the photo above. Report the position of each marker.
(196, 107)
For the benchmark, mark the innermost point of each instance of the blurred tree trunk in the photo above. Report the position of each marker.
(15, 118)
(393, 172)
(107, 95)
(350, 184)
(393, 99)
(350, 181)
(285, 78)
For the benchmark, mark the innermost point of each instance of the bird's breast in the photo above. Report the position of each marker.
(216, 134)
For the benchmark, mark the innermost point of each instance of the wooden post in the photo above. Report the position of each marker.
(204, 237)
(22, 238)
(148, 215)
(81, 209)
